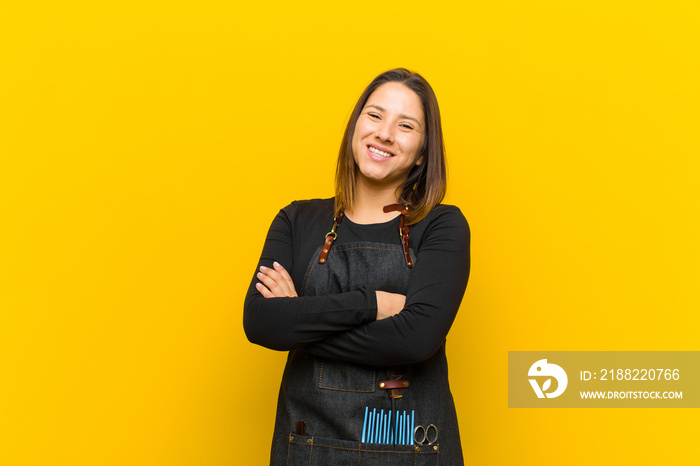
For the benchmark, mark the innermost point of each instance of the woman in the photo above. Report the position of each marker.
(364, 308)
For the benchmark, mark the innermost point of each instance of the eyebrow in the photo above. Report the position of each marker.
(382, 109)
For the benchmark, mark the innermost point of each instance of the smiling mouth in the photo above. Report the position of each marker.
(379, 152)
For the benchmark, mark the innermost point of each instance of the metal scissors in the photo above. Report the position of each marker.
(423, 435)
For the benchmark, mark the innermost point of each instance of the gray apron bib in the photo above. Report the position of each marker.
(330, 396)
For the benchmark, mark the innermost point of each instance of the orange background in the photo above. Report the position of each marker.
(146, 146)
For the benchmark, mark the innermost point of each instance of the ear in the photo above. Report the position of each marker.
(419, 161)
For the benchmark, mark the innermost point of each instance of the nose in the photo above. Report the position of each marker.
(385, 131)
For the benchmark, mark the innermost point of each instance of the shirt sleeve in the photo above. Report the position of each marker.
(435, 292)
(288, 323)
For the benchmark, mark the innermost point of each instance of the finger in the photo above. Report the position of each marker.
(264, 291)
(280, 275)
(285, 275)
(271, 285)
(274, 282)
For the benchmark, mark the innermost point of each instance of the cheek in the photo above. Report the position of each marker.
(359, 133)
(354, 144)
(421, 145)
(414, 146)
(353, 138)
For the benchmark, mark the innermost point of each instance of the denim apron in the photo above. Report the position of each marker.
(330, 396)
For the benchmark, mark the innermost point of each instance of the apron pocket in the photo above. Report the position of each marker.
(347, 377)
(311, 450)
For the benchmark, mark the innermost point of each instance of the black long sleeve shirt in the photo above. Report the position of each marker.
(343, 325)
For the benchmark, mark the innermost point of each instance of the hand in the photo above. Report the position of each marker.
(389, 304)
(275, 282)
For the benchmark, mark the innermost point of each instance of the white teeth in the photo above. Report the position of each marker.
(379, 152)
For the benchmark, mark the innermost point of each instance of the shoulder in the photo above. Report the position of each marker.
(446, 215)
(310, 210)
(444, 225)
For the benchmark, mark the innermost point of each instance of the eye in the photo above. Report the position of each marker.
(374, 115)
(406, 125)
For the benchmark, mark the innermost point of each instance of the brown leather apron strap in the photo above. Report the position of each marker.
(390, 384)
(330, 237)
(394, 385)
(403, 229)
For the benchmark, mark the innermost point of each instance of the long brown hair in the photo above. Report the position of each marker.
(426, 183)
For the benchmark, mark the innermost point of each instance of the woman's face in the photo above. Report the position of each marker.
(389, 135)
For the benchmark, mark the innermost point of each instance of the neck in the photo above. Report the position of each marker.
(370, 201)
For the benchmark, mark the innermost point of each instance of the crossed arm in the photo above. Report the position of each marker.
(403, 329)
(275, 282)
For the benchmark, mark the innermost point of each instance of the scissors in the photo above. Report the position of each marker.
(428, 434)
